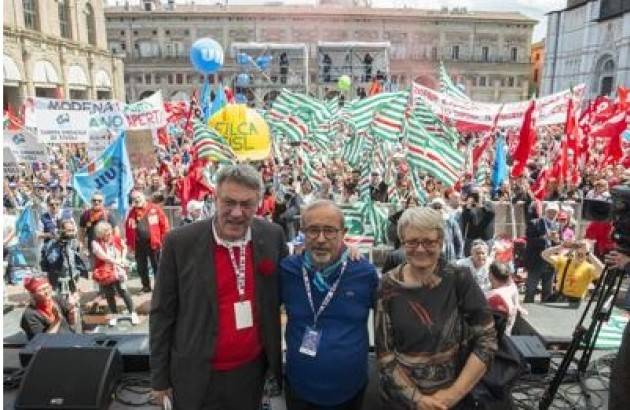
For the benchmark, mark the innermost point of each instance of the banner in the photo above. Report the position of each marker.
(110, 174)
(9, 163)
(99, 141)
(245, 130)
(69, 121)
(140, 149)
(146, 114)
(24, 146)
(478, 116)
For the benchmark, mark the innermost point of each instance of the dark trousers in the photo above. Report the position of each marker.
(110, 294)
(296, 403)
(144, 255)
(540, 273)
(620, 375)
(237, 389)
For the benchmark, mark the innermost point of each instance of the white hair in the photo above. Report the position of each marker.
(421, 218)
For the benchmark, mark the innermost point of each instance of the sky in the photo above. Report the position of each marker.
(535, 9)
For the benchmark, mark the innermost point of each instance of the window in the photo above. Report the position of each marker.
(189, 78)
(90, 23)
(482, 81)
(155, 32)
(123, 46)
(537, 56)
(186, 32)
(484, 53)
(30, 14)
(147, 78)
(158, 79)
(139, 79)
(455, 53)
(514, 54)
(64, 23)
(122, 32)
(147, 6)
(170, 78)
(434, 54)
(167, 32)
(179, 78)
(510, 81)
(536, 75)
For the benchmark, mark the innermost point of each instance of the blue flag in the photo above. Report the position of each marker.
(110, 174)
(499, 168)
(26, 226)
(219, 100)
(204, 100)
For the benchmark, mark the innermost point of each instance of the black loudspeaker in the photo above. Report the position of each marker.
(70, 378)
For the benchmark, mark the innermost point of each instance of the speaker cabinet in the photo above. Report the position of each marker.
(70, 378)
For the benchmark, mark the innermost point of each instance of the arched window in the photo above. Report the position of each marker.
(90, 23)
(64, 19)
(605, 76)
(31, 19)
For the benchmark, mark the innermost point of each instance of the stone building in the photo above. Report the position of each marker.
(487, 52)
(588, 42)
(58, 49)
(538, 63)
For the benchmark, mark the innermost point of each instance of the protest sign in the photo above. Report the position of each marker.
(146, 114)
(9, 163)
(99, 141)
(140, 148)
(24, 146)
(69, 121)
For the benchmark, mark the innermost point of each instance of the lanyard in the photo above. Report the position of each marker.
(329, 295)
(239, 269)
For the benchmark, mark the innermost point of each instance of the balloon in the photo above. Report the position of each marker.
(245, 130)
(240, 98)
(243, 58)
(263, 62)
(461, 87)
(206, 55)
(344, 82)
(242, 80)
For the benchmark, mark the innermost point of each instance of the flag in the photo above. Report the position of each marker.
(360, 113)
(527, 139)
(204, 100)
(219, 101)
(623, 94)
(207, 143)
(387, 123)
(110, 174)
(499, 170)
(447, 87)
(26, 226)
(358, 233)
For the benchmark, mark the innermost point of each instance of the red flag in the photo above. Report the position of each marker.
(603, 109)
(612, 127)
(623, 94)
(193, 186)
(614, 151)
(527, 139)
(375, 88)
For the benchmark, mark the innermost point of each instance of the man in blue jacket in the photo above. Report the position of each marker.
(327, 297)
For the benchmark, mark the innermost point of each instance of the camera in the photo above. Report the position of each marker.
(617, 211)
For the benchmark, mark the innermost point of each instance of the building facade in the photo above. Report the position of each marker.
(58, 49)
(588, 42)
(538, 64)
(487, 52)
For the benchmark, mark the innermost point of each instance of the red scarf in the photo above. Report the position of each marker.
(46, 308)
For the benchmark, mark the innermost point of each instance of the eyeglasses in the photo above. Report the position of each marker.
(97, 201)
(426, 243)
(231, 204)
(313, 232)
(136, 199)
(53, 204)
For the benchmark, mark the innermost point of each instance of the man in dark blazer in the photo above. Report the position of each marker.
(215, 320)
(541, 233)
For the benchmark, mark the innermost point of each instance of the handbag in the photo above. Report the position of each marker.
(559, 296)
(494, 389)
(105, 274)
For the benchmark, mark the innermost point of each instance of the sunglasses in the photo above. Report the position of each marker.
(97, 201)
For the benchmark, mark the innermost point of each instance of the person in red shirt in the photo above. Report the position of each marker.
(145, 229)
(215, 313)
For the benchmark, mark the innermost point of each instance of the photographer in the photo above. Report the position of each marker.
(620, 373)
(62, 259)
(574, 270)
(477, 219)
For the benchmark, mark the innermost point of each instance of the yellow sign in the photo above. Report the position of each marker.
(245, 130)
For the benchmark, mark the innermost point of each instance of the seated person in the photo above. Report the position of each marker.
(504, 288)
(46, 313)
(478, 262)
(574, 270)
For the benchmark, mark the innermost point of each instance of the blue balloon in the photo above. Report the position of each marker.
(242, 80)
(626, 135)
(243, 58)
(206, 55)
(240, 98)
(263, 62)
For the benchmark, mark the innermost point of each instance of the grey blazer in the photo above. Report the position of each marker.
(184, 310)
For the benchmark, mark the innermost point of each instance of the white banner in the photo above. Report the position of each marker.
(23, 144)
(69, 121)
(99, 140)
(472, 115)
(9, 163)
(146, 114)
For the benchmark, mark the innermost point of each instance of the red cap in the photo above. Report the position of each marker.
(33, 283)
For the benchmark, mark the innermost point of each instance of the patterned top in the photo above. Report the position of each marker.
(421, 333)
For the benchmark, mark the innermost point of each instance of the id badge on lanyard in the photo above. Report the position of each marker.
(313, 335)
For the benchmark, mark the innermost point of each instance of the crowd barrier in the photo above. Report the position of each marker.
(509, 221)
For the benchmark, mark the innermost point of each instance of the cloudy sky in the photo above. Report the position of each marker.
(531, 8)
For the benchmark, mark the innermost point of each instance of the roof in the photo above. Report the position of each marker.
(311, 11)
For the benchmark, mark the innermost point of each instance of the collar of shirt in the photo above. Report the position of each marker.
(231, 244)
